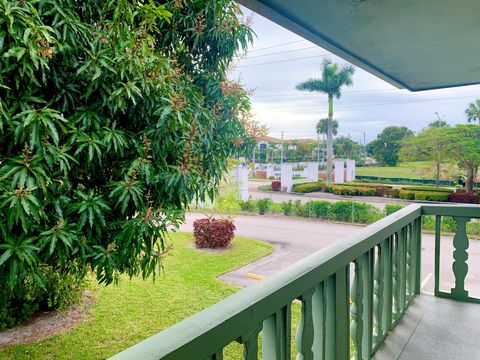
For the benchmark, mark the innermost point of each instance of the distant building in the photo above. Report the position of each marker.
(291, 144)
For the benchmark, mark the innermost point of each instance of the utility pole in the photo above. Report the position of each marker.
(364, 150)
(281, 151)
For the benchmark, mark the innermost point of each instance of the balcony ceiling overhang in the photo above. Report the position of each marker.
(412, 44)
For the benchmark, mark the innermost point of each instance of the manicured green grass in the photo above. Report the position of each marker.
(409, 170)
(126, 314)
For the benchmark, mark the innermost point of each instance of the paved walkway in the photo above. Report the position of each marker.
(294, 239)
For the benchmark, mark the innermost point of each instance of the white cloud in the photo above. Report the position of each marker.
(369, 105)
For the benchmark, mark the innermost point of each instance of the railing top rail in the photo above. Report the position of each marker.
(465, 210)
(203, 334)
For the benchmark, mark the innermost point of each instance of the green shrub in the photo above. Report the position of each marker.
(365, 184)
(320, 208)
(353, 211)
(428, 189)
(309, 187)
(448, 223)
(407, 195)
(248, 205)
(352, 191)
(114, 117)
(300, 208)
(264, 205)
(59, 290)
(393, 193)
(423, 195)
(391, 208)
(287, 207)
(431, 196)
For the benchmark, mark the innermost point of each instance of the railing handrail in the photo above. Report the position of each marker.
(467, 210)
(215, 327)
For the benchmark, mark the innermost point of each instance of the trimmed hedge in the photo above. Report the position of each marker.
(352, 190)
(309, 187)
(465, 198)
(427, 188)
(213, 233)
(365, 184)
(424, 195)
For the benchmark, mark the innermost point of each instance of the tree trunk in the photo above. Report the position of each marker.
(470, 176)
(330, 139)
(437, 174)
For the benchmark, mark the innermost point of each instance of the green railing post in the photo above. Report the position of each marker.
(276, 335)
(319, 309)
(356, 310)
(388, 281)
(304, 338)
(342, 297)
(438, 234)
(460, 267)
(418, 254)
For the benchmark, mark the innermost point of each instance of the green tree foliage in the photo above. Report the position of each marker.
(473, 111)
(464, 148)
(334, 77)
(113, 117)
(431, 143)
(322, 127)
(346, 148)
(438, 124)
(386, 146)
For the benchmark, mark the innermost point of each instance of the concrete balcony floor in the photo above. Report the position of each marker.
(434, 328)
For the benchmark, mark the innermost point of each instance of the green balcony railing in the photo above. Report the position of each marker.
(352, 294)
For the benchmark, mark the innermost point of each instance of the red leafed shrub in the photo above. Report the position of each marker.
(461, 197)
(213, 233)
(261, 174)
(276, 185)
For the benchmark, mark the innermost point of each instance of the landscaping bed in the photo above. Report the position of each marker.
(420, 193)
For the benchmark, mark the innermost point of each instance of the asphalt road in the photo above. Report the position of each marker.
(294, 239)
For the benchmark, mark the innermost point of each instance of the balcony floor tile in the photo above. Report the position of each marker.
(434, 328)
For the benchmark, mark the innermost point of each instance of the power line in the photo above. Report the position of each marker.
(401, 102)
(285, 60)
(277, 45)
(343, 92)
(280, 52)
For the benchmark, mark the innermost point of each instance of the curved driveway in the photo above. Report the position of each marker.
(294, 239)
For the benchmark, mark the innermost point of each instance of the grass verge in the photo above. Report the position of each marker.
(126, 314)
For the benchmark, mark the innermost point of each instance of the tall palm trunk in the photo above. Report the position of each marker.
(470, 177)
(330, 139)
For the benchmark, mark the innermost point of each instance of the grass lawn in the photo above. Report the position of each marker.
(409, 170)
(124, 315)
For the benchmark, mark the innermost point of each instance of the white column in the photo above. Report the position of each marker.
(350, 170)
(312, 168)
(339, 171)
(270, 168)
(241, 177)
(286, 177)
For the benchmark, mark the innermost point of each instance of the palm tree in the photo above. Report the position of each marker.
(473, 111)
(322, 128)
(333, 78)
(272, 147)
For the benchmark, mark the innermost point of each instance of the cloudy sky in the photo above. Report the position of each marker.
(279, 59)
